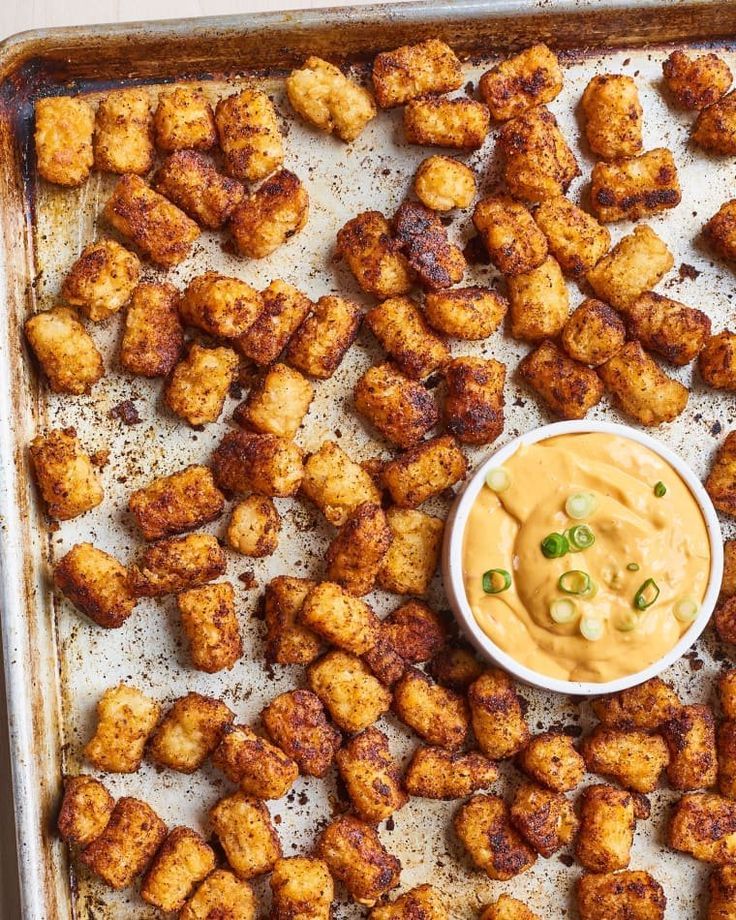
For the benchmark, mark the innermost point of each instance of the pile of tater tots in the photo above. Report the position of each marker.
(184, 168)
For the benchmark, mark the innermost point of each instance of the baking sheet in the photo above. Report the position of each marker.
(374, 172)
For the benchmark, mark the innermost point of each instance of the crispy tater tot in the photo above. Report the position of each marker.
(437, 121)
(302, 889)
(720, 231)
(703, 824)
(484, 827)
(470, 313)
(675, 331)
(422, 237)
(411, 561)
(102, 279)
(646, 706)
(717, 361)
(277, 402)
(721, 481)
(434, 773)
(539, 302)
(574, 238)
(123, 140)
(254, 527)
(296, 722)
(415, 70)
(221, 893)
(367, 246)
(284, 310)
(722, 893)
(371, 776)
(355, 555)
(183, 861)
(508, 908)
(634, 265)
(594, 333)
(551, 759)
(620, 896)
(545, 819)
(715, 128)
(514, 242)
(210, 623)
(443, 183)
(190, 180)
(424, 471)
(569, 388)
(221, 306)
(727, 693)
(607, 823)
(400, 327)
(628, 189)
(176, 503)
(189, 732)
(474, 402)
(249, 135)
(184, 120)
(497, 717)
(356, 857)
(633, 758)
(614, 116)
(538, 163)
(527, 79)
(326, 98)
(261, 769)
(641, 388)
(68, 482)
(199, 384)
(97, 584)
(153, 338)
(65, 351)
(401, 409)
(696, 82)
(246, 833)
(322, 340)
(63, 138)
(125, 719)
(691, 738)
(85, 810)
(247, 461)
(270, 216)
(436, 714)
(173, 565)
(287, 641)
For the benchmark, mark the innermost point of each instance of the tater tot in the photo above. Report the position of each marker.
(127, 845)
(594, 333)
(574, 238)
(322, 340)
(261, 769)
(247, 461)
(434, 773)
(545, 819)
(356, 857)
(474, 402)
(628, 189)
(402, 410)
(607, 823)
(102, 279)
(703, 824)
(675, 331)
(176, 503)
(483, 825)
(246, 833)
(415, 631)
(385, 662)
(371, 776)
(123, 141)
(496, 714)
(641, 388)
(691, 738)
(97, 584)
(724, 620)
(471, 313)
(720, 231)
(436, 121)
(613, 116)
(436, 714)
(64, 350)
(270, 216)
(727, 759)
(424, 902)
(296, 722)
(327, 99)
(183, 861)
(337, 484)
(422, 237)
(63, 138)
(443, 183)
(189, 732)
(249, 135)
(513, 241)
(569, 388)
(221, 892)
(633, 758)
(400, 327)
(508, 908)
(184, 120)
(620, 896)
(527, 79)
(722, 893)
(67, 481)
(277, 402)
(698, 82)
(199, 384)
(411, 561)
(211, 626)
(717, 360)
(424, 471)
(190, 180)
(539, 302)
(538, 163)
(85, 810)
(634, 265)
(254, 527)
(221, 306)
(647, 706)
(125, 719)
(151, 222)
(173, 565)
(284, 309)
(415, 70)
(288, 640)
(355, 555)
(727, 693)
(551, 759)
(341, 619)
(348, 690)
(302, 889)
(153, 338)
(715, 127)
(367, 246)
(455, 666)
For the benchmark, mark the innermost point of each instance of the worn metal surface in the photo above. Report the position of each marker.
(57, 663)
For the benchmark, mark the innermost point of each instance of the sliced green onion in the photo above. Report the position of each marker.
(591, 628)
(563, 610)
(686, 610)
(580, 505)
(575, 582)
(580, 537)
(646, 595)
(627, 622)
(660, 489)
(555, 545)
(633, 566)
(498, 479)
(496, 580)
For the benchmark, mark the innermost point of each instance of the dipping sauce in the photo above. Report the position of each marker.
(586, 558)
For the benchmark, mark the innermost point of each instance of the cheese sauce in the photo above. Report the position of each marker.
(639, 534)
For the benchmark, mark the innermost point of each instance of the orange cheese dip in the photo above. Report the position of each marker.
(601, 631)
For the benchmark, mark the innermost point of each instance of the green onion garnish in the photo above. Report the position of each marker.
(580, 505)
(660, 489)
(555, 545)
(496, 580)
(562, 610)
(575, 582)
(686, 610)
(580, 537)
(646, 595)
(633, 566)
(591, 628)
(498, 480)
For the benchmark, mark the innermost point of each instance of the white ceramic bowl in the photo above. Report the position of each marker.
(452, 562)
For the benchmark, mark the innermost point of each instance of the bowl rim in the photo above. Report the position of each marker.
(452, 567)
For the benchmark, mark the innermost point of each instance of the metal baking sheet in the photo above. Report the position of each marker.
(56, 663)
